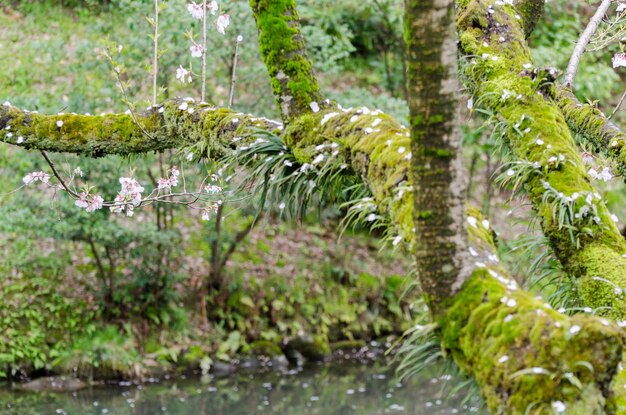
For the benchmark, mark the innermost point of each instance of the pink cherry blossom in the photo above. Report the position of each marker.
(212, 189)
(35, 176)
(89, 203)
(174, 173)
(82, 201)
(619, 59)
(206, 215)
(164, 184)
(128, 197)
(222, 23)
(213, 7)
(183, 74)
(206, 212)
(196, 51)
(171, 181)
(195, 10)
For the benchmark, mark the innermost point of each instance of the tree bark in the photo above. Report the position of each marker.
(438, 174)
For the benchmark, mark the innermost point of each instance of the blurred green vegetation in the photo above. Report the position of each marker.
(108, 296)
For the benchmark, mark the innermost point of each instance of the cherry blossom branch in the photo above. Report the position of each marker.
(130, 197)
(58, 176)
(583, 41)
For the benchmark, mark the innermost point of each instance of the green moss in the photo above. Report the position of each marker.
(282, 47)
(530, 11)
(618, 389)
(263, 348)
(348, 346)
(592, 126)
(549, 356)
(373, 144)
(207, 130)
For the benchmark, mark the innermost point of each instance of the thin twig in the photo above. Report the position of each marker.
(583, 41)
(233, 79)
(58, 176)
(241, 235)
(131, 110)
(155, 58)
(614, 31)
(204, 48)
(618, 106)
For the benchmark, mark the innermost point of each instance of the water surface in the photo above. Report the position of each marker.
(329, 389)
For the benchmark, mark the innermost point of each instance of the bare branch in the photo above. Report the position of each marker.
(618, 106)
(155, 56)
(583, 41)
(233, 78)
(204, 50)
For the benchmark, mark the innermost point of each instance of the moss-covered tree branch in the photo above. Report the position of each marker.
(593, 126)
(530, 12)
(527, 357)
(173, 124)
(282, 47)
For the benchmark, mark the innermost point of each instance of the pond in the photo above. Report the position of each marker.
(337, 388)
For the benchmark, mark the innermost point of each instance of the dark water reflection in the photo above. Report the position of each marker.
(330, 389)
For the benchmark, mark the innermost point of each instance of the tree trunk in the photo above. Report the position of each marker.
(437, 170)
